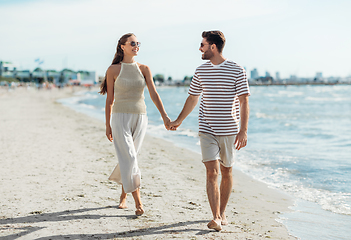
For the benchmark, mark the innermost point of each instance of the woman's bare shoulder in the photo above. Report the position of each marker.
(113, 71)
(144, 68)
(113, 68)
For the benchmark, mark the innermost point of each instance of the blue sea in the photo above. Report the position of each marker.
(299, 141)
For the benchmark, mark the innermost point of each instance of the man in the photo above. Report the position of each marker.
(224, 88)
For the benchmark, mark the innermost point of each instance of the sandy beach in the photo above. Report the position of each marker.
(54, 172)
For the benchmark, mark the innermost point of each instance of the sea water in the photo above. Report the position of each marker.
(299, 141)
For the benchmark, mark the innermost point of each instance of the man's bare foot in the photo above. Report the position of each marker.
(215, 224)
(122, 201)
(139, 211)
(224, 220)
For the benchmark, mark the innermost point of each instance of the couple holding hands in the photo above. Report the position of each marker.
(224, 106)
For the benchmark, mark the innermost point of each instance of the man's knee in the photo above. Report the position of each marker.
(226, 171)
(212, 170)
(212, 173)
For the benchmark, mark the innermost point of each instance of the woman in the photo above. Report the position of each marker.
(124, 84)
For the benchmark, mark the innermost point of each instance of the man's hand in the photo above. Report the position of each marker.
(174, 125)
(240, 140)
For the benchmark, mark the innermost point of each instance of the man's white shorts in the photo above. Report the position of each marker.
(219, 148)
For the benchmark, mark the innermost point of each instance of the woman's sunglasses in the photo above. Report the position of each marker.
(133, 44)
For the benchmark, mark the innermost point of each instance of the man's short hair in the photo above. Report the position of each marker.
(215, 37)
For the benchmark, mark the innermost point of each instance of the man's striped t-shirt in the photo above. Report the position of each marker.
(220, 85)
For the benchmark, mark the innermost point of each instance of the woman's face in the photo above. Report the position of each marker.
(131, 47)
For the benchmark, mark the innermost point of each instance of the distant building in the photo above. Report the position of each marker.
(87, 78)
(53, 76)
(277, 76)
(23, 76)
(293, 77)
(38, 75)
(7, 69)
(254, 74)
(268, 74)
(319, 77)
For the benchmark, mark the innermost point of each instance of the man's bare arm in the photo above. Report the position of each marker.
(189, 106)
(241, 138)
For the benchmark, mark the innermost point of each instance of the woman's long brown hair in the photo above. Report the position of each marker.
(117, 59)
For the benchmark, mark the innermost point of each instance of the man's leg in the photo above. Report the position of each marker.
(212, 171)
(225, 190)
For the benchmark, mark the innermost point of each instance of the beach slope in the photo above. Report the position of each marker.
(54, 172)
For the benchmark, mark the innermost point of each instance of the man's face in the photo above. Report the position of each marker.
(206, 50)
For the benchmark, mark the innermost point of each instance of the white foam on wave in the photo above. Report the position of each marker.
(87, 106)
(90, 95)
(187, 132)
(263, 115)
(184, 138)
(327, 99)
(76, 104)
(290, 94)
(160, 129)
(275, 117)
(286, 180)
(69, 101)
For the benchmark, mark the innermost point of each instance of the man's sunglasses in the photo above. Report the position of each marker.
(133, 44)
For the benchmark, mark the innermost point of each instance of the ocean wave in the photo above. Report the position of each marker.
(286, 179)
(330, 201)
(91, 95)
(188, 133)
(275, 116)
(327, 99)
(181, 132)
(290, 94)
(87, 106)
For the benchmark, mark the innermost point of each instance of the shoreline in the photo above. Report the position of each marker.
(297, 84)
(58, 186)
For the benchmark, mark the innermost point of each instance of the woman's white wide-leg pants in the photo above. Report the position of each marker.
(128, 132)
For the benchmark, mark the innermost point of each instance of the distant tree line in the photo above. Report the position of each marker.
(161, 78)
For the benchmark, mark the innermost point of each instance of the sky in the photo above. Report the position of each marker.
(292, 37)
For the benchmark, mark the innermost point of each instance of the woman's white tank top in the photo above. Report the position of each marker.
(129, 90)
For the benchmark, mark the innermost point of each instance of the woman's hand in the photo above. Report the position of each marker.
(109, 133)
(167, 122)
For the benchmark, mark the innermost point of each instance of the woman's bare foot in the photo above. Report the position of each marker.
(215, 224)
(139, 210)
(224, 220)
(122, 201)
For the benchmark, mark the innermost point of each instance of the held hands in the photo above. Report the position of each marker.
(174, 125)
(171, 125)
(240, 140)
